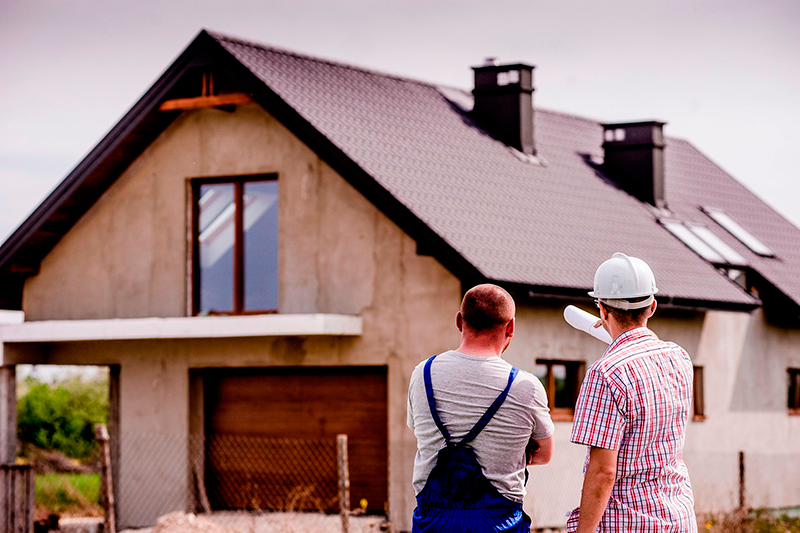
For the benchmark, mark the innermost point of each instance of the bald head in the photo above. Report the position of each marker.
(487, 307)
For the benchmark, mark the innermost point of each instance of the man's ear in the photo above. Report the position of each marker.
(653, 308)
(510, 327)
(459, 321)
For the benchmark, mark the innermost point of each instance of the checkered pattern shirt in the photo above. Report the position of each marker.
(636, 399)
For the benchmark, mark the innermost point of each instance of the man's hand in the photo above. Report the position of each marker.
(539, 452)
(597, 484)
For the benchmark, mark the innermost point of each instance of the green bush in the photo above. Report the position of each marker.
(62, 416)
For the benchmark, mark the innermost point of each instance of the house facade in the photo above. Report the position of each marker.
(267, 244)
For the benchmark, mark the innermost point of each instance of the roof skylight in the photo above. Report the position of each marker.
(704, 243)
(731, 256)
(734, 228)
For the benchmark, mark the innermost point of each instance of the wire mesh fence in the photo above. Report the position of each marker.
(255, 484)
(250, 484)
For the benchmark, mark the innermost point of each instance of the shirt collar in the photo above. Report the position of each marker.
(630, 336)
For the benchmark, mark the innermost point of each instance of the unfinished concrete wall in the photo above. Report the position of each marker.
(129, 257)
(745, 361)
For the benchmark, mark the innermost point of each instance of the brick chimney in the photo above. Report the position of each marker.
(504, 103)
(634, 159)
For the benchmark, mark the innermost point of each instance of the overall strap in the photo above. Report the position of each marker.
(432, 402)
(490, 412)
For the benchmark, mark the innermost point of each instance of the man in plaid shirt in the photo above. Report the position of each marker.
(631, 413)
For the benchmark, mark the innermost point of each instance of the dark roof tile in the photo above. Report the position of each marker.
(545, 225)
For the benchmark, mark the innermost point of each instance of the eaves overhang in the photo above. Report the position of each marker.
(522, 291)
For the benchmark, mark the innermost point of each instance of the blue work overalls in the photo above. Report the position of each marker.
(457, 497)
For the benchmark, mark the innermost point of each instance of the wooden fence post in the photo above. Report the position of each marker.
(16, 498)
(344, 481)
(106, 478)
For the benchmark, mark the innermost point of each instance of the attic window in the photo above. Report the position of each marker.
(704, 243)
(734, 228)
(615, 134)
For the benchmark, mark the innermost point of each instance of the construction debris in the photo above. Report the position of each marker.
(179, 522)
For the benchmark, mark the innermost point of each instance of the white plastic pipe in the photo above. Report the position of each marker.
(580, 319)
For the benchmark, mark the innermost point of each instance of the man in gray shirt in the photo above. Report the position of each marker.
(461, 386)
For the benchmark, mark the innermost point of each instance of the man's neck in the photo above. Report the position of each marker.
(479, 349)
(617, 331)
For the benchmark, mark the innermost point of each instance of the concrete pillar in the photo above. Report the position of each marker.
(8, 414)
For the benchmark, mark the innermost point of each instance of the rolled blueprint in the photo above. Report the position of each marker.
(580, 319)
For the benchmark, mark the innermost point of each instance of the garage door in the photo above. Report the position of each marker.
(270, 437)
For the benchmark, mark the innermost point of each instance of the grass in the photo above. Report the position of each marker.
(68, 494)
(757, 521)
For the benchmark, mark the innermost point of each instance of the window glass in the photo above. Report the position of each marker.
(562, 397)
(698, 400)
(260, 245)
(738, 231)
(794, 389)
(730, 255)
(216, 226)
(693, 241)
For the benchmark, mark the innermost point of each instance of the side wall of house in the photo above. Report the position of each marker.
(128, 257)
(745, 361)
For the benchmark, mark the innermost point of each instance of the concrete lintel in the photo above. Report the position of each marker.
(206, 327)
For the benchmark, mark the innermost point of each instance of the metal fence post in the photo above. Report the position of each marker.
(742, 487)
(344, 481)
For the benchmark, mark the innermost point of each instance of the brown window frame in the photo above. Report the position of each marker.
(562, 414)
(238, 241)
(793, 395)
(698, 395)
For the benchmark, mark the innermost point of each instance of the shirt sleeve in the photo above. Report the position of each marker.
(598, 420)
(543, 425)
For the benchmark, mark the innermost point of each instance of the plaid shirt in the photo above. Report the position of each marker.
(636, 399)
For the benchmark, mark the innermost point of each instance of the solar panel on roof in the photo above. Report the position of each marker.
(734, 228)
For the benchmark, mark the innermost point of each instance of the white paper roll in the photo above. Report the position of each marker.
(580, 319)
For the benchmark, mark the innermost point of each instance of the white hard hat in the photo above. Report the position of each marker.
(624, 278)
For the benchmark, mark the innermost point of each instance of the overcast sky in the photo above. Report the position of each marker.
(725, 74)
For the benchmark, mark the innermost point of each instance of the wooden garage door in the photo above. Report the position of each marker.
(270, 436)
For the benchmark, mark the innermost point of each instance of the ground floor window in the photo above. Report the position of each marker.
(794, 391)
(561, 380)
(698, 402)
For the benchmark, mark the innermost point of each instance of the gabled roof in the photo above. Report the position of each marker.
(467, 199)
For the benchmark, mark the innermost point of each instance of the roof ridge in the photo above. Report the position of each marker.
(308, 57)
(336, 63)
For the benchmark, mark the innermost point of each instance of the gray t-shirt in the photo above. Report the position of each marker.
(464, 387)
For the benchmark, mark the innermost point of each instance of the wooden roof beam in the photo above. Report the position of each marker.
(199, 102)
